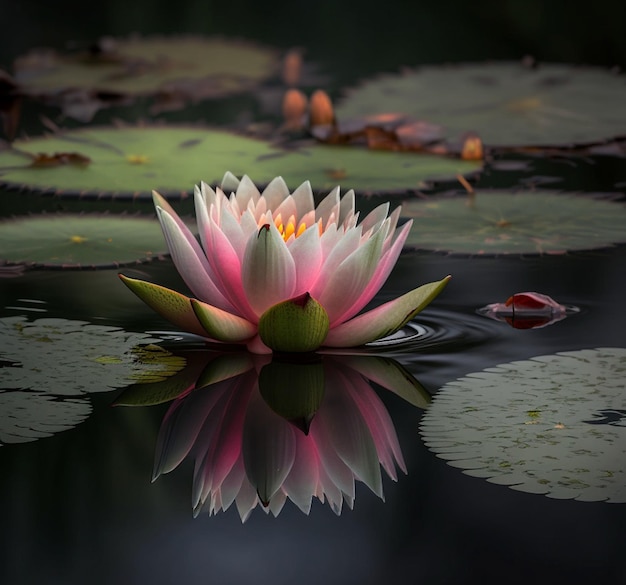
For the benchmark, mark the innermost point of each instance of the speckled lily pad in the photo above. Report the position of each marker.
(501, 222)
(505, 103)
(50, 366)
(183, 68)
(80, 241)
(552, 425)
(133, 161)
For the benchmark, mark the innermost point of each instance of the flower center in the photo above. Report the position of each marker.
(288, 229)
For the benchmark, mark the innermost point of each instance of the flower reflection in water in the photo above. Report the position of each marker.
(262, 431)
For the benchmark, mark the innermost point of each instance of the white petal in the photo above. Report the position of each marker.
(327, 206)
(303, 198)
(306, 251)
(375, 218)
(268, 270)
(346, 207)
(275, 192)
(230, 183)
(247, 191)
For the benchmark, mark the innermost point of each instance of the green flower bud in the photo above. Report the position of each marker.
(297, 325)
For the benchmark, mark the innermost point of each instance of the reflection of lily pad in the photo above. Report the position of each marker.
(190, 68)
(552, 425)
(50, 365)
(500, 222)
(505, 103)
(133, 161)
(80, 241)
(26, 417)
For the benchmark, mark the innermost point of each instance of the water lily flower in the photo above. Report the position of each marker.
(244, 434)
(274, 272)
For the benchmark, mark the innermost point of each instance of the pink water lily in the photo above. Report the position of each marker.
(275, 272)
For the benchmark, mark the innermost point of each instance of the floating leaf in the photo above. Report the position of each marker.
(69, 358)
(505, 103)
(552, 425)
(80, 241)
(175, 69)
(501, 222)
(365, 171)
(133, 161)
(50, 365)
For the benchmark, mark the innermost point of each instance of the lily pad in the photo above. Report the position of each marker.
(552, 425)
(184, 68)
(80, 241)
(501, 222)
(132, 161)
(507, 104)
(50, 366)
(365, 171)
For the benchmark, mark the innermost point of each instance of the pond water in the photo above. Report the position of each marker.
(78, 500)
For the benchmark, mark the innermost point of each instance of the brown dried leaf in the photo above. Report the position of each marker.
(59, 158)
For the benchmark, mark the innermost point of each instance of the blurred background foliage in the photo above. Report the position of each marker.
(354, 38)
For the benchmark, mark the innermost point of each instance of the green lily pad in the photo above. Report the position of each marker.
(552, 425)
(50, 366)
(505, 103)
(365, 171)
(131, 162)
(80, 241)
(175, 68)
(501, 222)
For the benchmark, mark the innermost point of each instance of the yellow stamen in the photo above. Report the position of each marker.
(301, 229)
(290, 229)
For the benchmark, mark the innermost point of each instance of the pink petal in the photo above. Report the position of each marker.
(382, 272)
(191, 262)
(385, 319)
(351, 277)
(226, 265)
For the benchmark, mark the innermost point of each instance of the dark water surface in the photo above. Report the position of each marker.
(79, 506)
